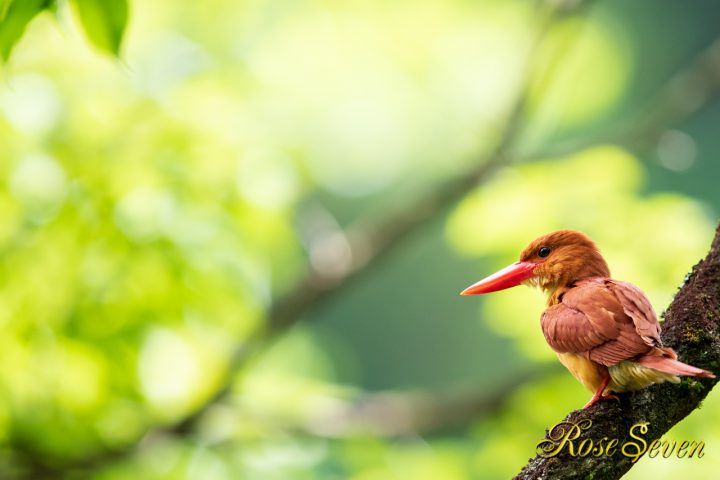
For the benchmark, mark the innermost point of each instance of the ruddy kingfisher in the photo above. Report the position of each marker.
(604, 331)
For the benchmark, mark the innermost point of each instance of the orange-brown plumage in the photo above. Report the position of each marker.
(603, 330)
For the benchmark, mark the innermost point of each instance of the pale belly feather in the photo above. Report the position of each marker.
(629, 376)
(624, 377)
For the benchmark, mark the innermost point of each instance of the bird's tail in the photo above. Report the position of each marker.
(665, 360)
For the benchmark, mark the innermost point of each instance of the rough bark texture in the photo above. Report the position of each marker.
(692, 328)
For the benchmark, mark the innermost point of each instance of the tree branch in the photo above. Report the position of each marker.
(370, 241)
(692, 328)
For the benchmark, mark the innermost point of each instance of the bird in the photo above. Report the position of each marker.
(604, 331)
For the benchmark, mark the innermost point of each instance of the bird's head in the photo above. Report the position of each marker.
(552, 262)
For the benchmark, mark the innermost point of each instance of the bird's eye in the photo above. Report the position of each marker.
(543, 252)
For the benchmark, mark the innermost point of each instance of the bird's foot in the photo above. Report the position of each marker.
(596, 398)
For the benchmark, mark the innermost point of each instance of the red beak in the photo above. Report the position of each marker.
(510, 276)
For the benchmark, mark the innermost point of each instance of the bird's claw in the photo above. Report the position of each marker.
(597, 398)
(610, 396)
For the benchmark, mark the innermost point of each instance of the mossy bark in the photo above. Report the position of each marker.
(692, 328)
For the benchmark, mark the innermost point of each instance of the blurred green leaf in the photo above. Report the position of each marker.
(4, 4)
(104, 22)
(14, 18)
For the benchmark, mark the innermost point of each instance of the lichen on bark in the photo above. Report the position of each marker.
(692, 328)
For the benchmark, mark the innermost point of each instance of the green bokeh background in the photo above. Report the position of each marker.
(152, 208)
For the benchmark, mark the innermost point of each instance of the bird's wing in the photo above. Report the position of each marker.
(636, 305)
(604, 320)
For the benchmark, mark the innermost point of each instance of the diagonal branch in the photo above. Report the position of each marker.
(692, 328)
(369, 242)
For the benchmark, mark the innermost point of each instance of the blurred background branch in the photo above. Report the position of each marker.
(370, 240)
